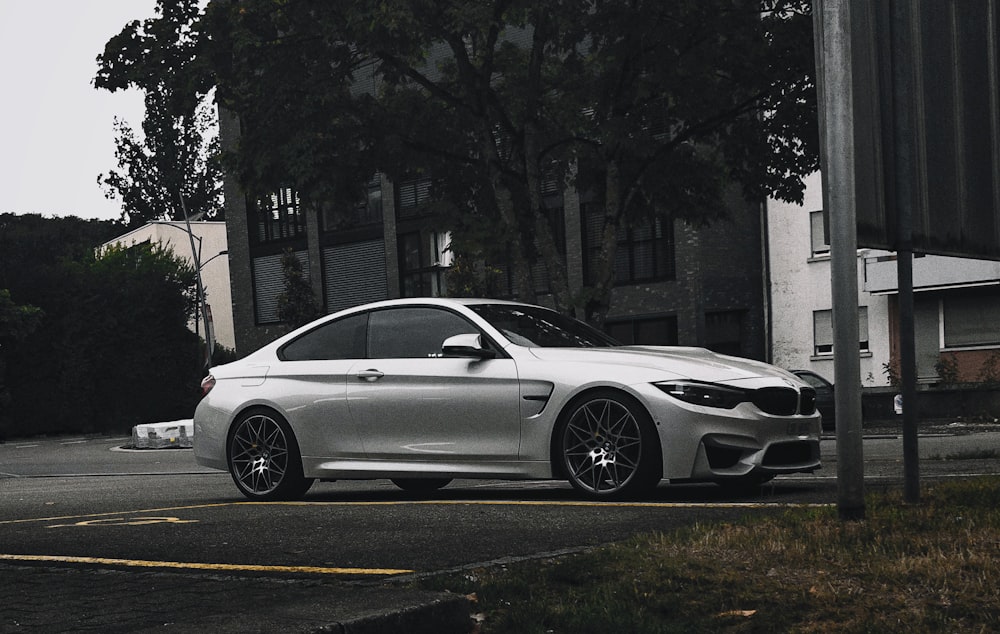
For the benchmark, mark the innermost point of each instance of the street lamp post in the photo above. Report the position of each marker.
(196, 255)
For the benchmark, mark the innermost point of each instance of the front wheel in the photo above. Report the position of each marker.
(609, 447)
(264, 458)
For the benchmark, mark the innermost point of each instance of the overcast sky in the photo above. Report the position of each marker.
(56, 129)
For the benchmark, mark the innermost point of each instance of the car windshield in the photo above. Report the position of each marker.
(535, 327)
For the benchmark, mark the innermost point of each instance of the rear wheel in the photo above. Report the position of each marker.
(264, 458)
(421, 485)
(609, 447)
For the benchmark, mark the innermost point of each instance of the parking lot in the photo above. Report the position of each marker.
(95, 537)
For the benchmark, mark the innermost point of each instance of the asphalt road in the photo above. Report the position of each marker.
(93, 537)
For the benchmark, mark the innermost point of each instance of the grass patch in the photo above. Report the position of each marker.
(924, 568)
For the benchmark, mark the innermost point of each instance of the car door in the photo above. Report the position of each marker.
(411, 403)
(310, 384)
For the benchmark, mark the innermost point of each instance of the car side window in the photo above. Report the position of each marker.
(413, 332)
(340, 339)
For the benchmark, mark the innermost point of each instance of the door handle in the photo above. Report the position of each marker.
(370, 375)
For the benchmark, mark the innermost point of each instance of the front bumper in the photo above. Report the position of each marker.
(720, 457)
(714, 444)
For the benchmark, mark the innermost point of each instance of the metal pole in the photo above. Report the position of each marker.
(200, 287)
(908, 373)
(903, 152)
(832, 19)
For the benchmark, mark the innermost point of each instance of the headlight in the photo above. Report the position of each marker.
(705, 394)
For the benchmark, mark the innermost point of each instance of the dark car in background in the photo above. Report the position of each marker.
(824, 396)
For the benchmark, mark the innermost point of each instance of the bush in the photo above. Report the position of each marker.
(113, 350)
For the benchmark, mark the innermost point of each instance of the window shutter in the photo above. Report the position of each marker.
(354, 274)
(269, 283)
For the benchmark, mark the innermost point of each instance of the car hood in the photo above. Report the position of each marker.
(696, 364)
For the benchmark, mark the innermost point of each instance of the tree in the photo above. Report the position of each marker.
(176, 154)
(648, 107)
(16, 323)
(286, 70)
(124, 352)
(296, 304)
(112, 348)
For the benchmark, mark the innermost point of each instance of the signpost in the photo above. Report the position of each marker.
(910, 118)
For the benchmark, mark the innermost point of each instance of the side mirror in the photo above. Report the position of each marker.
(468, 345)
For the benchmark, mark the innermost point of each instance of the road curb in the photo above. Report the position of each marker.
(449, 614)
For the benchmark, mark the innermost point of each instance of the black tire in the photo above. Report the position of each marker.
(421, 485)
(264, 458)
(608, 446)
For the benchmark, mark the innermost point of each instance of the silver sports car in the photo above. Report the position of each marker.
(422, 391)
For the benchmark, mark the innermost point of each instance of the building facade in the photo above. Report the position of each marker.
(956, 315)
(956, 305)
(675, 283)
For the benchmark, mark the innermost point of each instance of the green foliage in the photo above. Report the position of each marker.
(222, 355)
(891, 374)
(176, 154)
(16, 322)
(286, 70)
(32, 248)
(947, 370)
(469, 277)
(296, 304)
(113, 348)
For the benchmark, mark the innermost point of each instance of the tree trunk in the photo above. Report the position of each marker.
(599, 300)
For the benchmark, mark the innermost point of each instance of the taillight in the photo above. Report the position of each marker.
(207, 384)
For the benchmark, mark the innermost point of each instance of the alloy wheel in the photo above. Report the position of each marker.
(264, 458)
(602, 446)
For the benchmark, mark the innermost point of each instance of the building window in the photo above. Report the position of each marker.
(645, 249)
(724, 332)
(364, 213)
(971, 321)
(823, 331)
(648, 331)
(820, 246)
(412, 197)
(279, 217)
(423, 259)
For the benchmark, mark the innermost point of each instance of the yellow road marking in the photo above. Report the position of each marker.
(125, 521)
(117, 513)
(579, 503)
(140, 563)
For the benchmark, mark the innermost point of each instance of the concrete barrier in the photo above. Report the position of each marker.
(178, 433)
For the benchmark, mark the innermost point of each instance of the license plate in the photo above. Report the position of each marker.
(798, 428)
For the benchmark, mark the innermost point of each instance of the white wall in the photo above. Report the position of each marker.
(800, 284)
